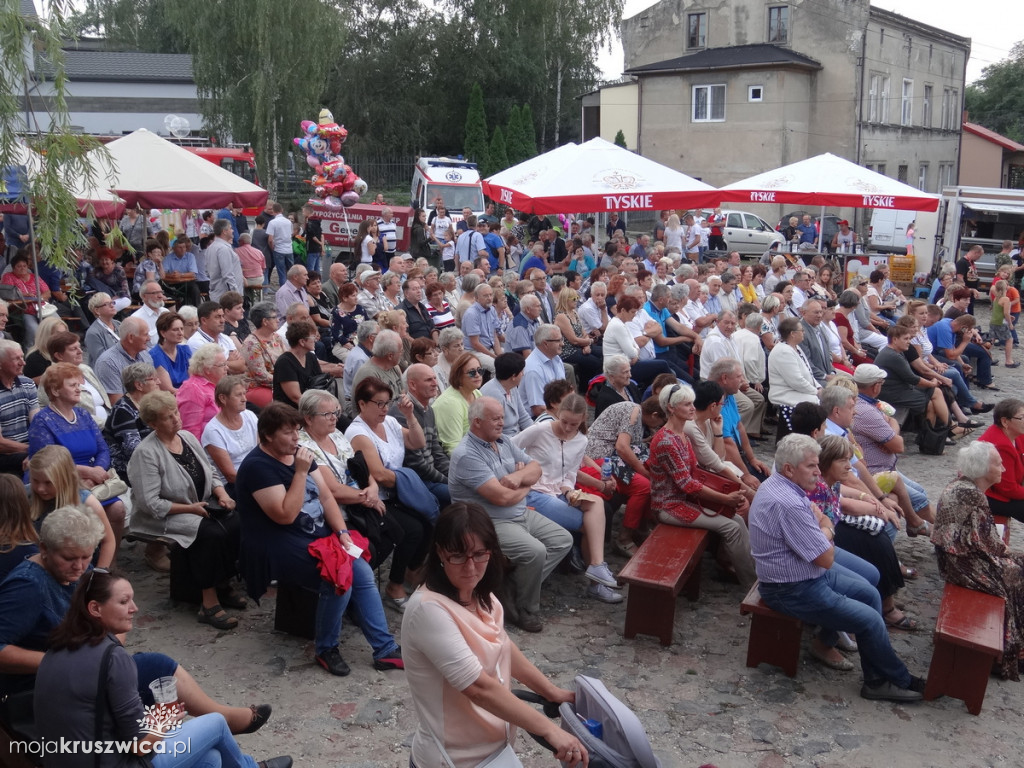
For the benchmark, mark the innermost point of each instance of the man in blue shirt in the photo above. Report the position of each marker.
(534, 261)
(495, 246)
(180, 272)
(808, 232)
(952, 338)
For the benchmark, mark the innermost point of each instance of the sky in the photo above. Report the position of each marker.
(984, 21)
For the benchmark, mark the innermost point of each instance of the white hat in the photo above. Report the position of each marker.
(867, 373)
(369, 275)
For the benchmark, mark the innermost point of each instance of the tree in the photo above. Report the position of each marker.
(996, 99)
(256, 69)
(620, 139)
(475, 144)
(64, 158)
(529, 135)
(514, 137)
(134, 25)
(497, 155)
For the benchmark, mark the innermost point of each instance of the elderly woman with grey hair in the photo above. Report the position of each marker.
(618, 387)
(195, 396)
(123, 430)
(103, 332)
(450, 344)
(190, 316)
(261, 349)
(971, 553)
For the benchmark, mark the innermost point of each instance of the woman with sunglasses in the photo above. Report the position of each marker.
(460, 662)
(451, 408)
(86, 661)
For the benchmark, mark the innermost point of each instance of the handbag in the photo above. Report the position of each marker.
(113, 486)
(931, 441)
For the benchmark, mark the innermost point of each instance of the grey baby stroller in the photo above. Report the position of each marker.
(608, 728)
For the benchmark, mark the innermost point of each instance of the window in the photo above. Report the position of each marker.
(881, 168)
(869, 166)
(944, 116)
(954, 119)
(708, 103)
(878, 99)
(901, 173)
(922, 177)
(735, 221)
(926, 107)
(907, 113)
(945, 175)
(755, 93)
(696, 30)
(778, 24)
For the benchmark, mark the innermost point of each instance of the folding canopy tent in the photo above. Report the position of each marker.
(94, 199)
(596, 176)
(828, 180)
(151, 172)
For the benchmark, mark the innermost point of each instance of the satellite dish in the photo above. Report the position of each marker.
(177, 126)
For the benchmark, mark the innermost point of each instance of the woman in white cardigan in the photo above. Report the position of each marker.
(789, 374)
(172, 481)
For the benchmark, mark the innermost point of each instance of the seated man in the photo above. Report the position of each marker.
(429, 462)
(953, 338)
(487, 469)
(791, 541)
(19, 402)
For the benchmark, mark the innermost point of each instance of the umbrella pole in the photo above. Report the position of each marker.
(821, 227)
(35, 262)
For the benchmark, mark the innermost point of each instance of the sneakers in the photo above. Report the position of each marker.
(889, 692)
(602, 575)
(389, 662)
(331, 661)
(602, 593)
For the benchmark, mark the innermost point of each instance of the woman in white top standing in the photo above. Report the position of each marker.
(674, 233)
(442, 235)
(230, 435)
(367, 237)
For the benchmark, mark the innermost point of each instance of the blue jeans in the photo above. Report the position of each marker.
(849, 563)
(313, 261)
(837, 601)
(963, 395)
(646, 371)
(917, 493)
(202, 742)
(283, 262)
(555, 509)
(983, 364)
(440, 491)
(367, 611)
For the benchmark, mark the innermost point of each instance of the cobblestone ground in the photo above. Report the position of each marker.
(698, 701)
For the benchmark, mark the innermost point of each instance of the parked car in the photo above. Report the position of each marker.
(830, 223)
(747, 233)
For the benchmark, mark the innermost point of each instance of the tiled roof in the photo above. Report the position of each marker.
(731, 57)
(995, 138)
(126, 66)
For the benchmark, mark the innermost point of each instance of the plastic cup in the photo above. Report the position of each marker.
(165, 690)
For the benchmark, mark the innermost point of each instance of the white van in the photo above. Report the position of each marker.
(888, 230)
(456, 181)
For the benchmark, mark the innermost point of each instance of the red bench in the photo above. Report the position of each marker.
(665, 564)
(774, 637)
(968, 639)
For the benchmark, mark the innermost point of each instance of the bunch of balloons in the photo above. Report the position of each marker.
(333, 180)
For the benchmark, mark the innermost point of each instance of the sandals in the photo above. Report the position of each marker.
(624, 548)
(924, 529)
(908, 573)
(904, 623)
(1012, 365)
(969, 424)
(260, 715)
(216, 617)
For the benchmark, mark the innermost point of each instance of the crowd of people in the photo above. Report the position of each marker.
(469, 413)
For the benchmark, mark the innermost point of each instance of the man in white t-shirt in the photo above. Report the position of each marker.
(152, 296)
(211, 331)
(279, 238)
(387, 230)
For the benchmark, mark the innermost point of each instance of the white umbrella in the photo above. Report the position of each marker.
(151, 172)
(596, 176)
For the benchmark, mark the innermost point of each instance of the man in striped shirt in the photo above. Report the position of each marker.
(791, 541)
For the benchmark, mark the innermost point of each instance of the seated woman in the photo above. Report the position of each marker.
(560, 448)
(576, 345)
(450, 344)
(261, 349)
(172, 481)
(38, 359)
(62, 422)
(970, 552)
(424, 351)
(53, 482)
(678, 499)
(108, 276)
(1006, 495)
(345, 320)
(789, 374)
(618, 386)
(619, 339)
(66, 347)
(28, 286)
(903, 387)
(195, 398)
(123, 430)
(295, 369)
(231, 434)
(19, 539)
(171, 354)
(83, 647)
(285, 507)
(451, 407)
(460, 661)
(383, 442)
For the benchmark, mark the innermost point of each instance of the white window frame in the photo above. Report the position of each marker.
(954, 109)
(926, 107)
(878, 98)
(709, 103)
(755, 98)
(772, 36)
(922, 177)
(944, 117)
(703, 23)
(907, 103)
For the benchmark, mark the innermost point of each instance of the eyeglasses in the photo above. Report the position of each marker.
(104, 571)
(475, 372)
(154, 379)
(329, 414)
(462, 558)
(1017, 418)
(381, 404)
(111, 303)
(153, 293)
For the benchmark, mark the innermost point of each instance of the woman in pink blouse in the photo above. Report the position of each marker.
(196, 401)
(28, 284)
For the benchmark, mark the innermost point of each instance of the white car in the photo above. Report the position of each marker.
(747, 233)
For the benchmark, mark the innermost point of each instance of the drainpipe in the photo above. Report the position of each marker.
(639, 114)
(858, 153)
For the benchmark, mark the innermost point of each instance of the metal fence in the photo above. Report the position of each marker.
(381, 174)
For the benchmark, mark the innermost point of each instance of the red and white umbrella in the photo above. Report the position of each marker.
(596, 176)
(93, 199)
(151, 172)
(829, 181)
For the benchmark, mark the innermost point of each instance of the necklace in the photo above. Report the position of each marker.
(72, 420)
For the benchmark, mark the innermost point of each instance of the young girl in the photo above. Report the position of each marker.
(1002, 322)
(53, 482)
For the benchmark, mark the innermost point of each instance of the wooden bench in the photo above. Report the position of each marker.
(184, 588)
(968, 639)
(665, 564)
(774, 637)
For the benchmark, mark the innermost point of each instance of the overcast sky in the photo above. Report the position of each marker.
(987, 22)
